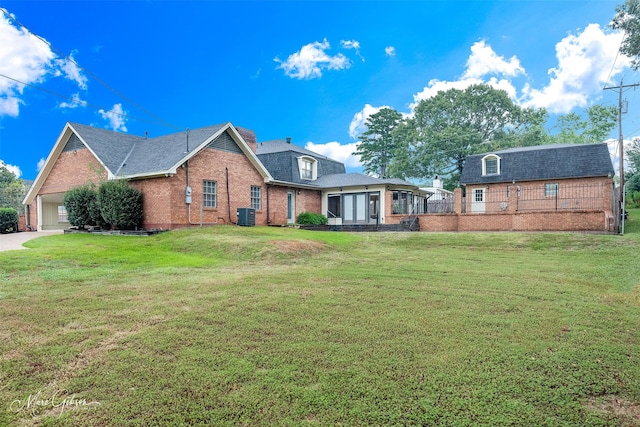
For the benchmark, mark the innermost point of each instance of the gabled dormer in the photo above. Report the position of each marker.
(308, 167)
(490, 165)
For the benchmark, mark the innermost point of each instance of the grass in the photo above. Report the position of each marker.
(274, 326)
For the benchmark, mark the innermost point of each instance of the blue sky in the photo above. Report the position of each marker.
(310, 70)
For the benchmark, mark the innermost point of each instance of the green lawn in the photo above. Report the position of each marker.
(265, 326)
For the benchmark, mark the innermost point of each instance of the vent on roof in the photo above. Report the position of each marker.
(73, 144)
(225, 143)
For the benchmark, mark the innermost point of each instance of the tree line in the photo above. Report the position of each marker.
(454, 124)
(444, 130)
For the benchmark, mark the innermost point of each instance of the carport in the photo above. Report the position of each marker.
(51, 212)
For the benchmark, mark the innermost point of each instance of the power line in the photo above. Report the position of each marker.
(90, 74)
(75, 101)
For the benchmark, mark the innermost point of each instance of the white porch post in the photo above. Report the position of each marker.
(39, 214)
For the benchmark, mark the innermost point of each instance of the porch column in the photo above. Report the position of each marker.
(39, 212)
(457, 200)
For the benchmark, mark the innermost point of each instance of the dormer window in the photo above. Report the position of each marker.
(308, 167)
(490, 165)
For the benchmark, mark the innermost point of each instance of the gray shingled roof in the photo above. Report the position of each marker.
(125, 154)
(356, 179)
(279, 146)
(554, 161)
(110, 147)
(280, 158)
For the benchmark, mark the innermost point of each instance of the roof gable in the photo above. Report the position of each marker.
(555, 161)
(281, 160)
(129, 156)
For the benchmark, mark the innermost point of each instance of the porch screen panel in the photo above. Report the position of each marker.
(361, 207)
(334, 207)
(347, 214)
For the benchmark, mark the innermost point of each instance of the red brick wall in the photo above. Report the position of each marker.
(164, 197)
(518, 221)
(439, 222)
(73, 168)
(305, 201)
(598, 219)
(31, 215)
(22, 222)
(580, 194)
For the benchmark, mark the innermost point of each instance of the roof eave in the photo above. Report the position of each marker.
(247, 151)
(53, 157)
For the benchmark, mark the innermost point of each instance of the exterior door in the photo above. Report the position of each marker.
(374, 204)
(478, 200)
(354, 208)
(291, 208)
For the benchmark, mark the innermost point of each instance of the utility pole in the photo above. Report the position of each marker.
(621, 144)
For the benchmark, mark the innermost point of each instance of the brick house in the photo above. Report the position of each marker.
(203, 176)
(548, 187)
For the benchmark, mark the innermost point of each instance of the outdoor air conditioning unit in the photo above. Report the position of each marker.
(246, 217)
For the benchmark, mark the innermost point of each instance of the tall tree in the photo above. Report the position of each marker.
(627, 19)
(377, 144)
(12, 190)
(632, 175)
(454, 124)
(596, 127)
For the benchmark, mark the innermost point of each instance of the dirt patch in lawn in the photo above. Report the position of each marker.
(626, 411)
(288, 246)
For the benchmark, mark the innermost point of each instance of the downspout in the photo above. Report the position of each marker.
(268, 214)
(28, 215)
(228, 196)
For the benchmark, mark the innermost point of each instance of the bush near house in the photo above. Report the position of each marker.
(120, 204)
(8, 220)
(309, 218)
(82, 206)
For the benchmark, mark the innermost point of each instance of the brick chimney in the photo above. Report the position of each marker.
(249, 136)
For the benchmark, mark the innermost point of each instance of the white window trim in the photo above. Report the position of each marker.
(484, 164)
(314, 167)
(256, 202)
(551, 189)
(214, 184)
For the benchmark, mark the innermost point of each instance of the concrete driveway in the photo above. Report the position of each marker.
(13, 241)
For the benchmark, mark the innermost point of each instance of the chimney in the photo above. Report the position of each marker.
(288, 140)
(249, 137)
(437, 182)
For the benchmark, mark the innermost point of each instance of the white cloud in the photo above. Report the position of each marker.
(357, 125)
(40, 164)
(484, 61)
(22, 57)
(310, 60)
(336, 151)
(352, 44)
(69, 69)
(390, 51)
(75, 102)
(28, 60)
(584, 65)
(11, 168)
(116, 118)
